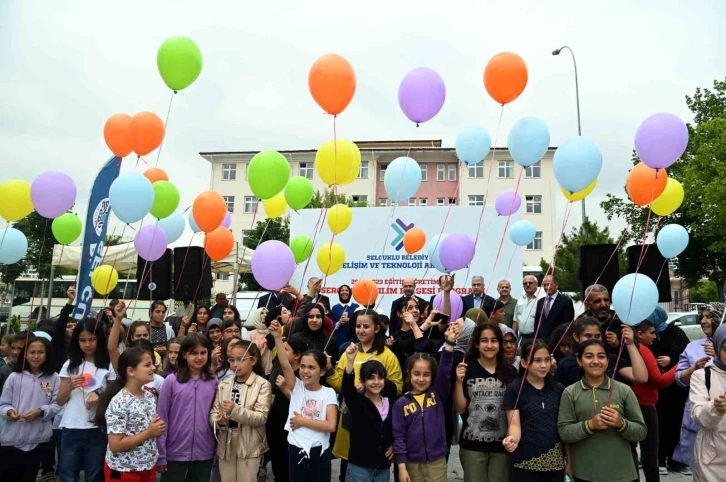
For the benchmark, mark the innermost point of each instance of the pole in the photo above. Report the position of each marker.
(579, 124)
(50, 289)
(235, 277)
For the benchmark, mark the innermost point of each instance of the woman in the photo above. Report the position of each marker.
(509, 345)
(231, 313)
(200, 319)
(160, 332)
(312, 332)
(260, 336)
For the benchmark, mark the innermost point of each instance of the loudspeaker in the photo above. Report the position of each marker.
(654, 266)
(594, 266)
(192, 274)
(157, 272)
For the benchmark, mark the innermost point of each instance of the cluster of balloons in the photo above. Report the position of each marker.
(142, 133)
(269, 178)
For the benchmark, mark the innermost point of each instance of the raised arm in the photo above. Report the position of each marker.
(59, 335)
(119, 311)
(285, 366)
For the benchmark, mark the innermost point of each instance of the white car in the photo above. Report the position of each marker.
(688, 322)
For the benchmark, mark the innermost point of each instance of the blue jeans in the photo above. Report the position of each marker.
(85, 447)
(356, 473)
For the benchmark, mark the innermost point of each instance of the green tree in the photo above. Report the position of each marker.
(113, 240)
(703, 292)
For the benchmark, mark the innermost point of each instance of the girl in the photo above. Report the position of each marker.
(260, 336)
(139, 330)
(599, 417)
(312, 332)
(28, 403)
(561, 342)
(532, 404)
(128, 413)
(478, 396)
(159, 332)
(231, 313)
(240, 409)
(223, 369)
(214, 332)
(199, 320)
(172, 354)
(83, 378)
(186, 450)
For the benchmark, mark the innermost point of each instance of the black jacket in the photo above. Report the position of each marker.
(58, 341)
(317, 340)
(562, 311)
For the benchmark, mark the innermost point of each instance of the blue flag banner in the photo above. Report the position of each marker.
(99, 208)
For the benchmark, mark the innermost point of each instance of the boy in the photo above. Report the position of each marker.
(16, 347)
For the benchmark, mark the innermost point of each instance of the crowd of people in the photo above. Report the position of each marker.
(528, 391)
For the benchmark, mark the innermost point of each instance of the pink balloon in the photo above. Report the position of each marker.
(53, 194)
(457, 305)
(508, 202)
(227, 220)
(150, 242)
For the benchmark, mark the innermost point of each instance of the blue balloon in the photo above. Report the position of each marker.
(13, 246)
(173, 226)
(193, 223)
(672, 240)
(402, 179)
(434, 252)
(522, 232)
(577, 163)
(528, 140)
(635, 297)
(131, 196)
(472, 144)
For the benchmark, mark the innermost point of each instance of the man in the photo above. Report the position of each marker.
(15, 349)
(478, 298)
(313, 295)
(274, 298)
(408, 288)
(597, 305)
(341, 313)
(217, 310)
(525, 309)
(555, 309)
(504, 288)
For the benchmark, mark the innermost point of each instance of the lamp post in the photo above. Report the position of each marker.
(577, 99)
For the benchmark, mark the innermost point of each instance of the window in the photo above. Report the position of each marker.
(412, 201)
(676, 300)
(359, 198)
(222, 276)
(440, 172)
(536, 244)
(452, 172)
(382, 201)
(229, 201)
(506, 169)
(476, 170)
(476, 200)
(424, 171)
(229, 172)
(250, 204)
(439, 201)
(423, 201)
(363, 171)
(383, 173)
(534, 204)
(306, 169)
(245, 236)
(535, 170)
(452, 201)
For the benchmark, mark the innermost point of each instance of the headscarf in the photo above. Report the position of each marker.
(506, 330)
(659, 318)
(476, 314)
(719, 338)
(259, 322)
(717, 312)
(462, 343)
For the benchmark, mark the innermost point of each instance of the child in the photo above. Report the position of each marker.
(312, 415)
(223, 369)
(240, 409)
(16, 348)
(259, 336)
(7, 340)
(172, 354)
(28, 403)
(561, 342)
(128, 412)
(139, 330)
(214, 332)
(599, 417)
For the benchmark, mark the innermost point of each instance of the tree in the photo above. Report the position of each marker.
(113, 240)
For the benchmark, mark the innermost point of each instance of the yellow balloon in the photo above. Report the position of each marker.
(15, 202)
(331, 257)
(275, 206)
(104, 279)
(670, 199)
(339, 218)
(355, 168)
(579, 195)
(335, 160)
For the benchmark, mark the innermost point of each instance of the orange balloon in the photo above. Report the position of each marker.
(147, 132)
(219, 243)
(209, 210)
(332, 83)
(117, 134)
(505, 77)
(155, 174)
(414, 240)
(644, 184)
(365, 291)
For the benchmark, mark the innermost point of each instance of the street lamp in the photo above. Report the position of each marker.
(577, 99)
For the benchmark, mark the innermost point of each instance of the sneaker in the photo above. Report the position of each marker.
(685, 470)
(662, 471)
(48, 477)
(262, 474)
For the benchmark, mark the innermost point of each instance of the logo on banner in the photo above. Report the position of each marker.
(100, 214)
(400, 228)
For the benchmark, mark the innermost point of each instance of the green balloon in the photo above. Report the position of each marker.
(66, 228)
(298, 192)
(301, 248)
(180, 62)
(166, 199)
(268, 174)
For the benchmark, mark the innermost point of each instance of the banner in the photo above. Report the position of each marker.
(99, 208)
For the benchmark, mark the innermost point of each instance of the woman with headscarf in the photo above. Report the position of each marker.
(342, 313)
(259, 337)
(312, 333)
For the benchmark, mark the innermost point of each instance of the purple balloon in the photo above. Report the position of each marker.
(227, 220)
(508, 202)
(272, 264)
(421, 94)
(53, 194)
(661, 140)
(457, 305)
(150, 242)
(456, 251)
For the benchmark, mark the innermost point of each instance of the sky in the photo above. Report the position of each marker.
(67, 66)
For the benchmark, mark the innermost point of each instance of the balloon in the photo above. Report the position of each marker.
(365, 292)
(335, 160)
(456, 251)
(644, 184)
(528, 140)
(227, 220)
(434, 249)
(457, 305)
(104, 279)
(355, 167)
(53, 193)
(268, 173)
(522, 232)
(661, 140)
(579, 195)
(66, 228)
(339, 218)
(15, 200)
(402, 179)
(166, 199)
(635, 297)
(131, 196)
(154, 174)
(180, 62)
(272, 264)
(414, 240)
(577, 162)
(219, 243)
(147, 132)
(331, 257)
(421, 94)
(209, 210)
(302, 248)
(505, 77)
(150, 243)
(670, 199)
(508, 202)
(275, 206)
(13, 246)
(193, 223)
(117, 134)
(472, 144)
(173, 226)
(298, 192)
(332, 83)
(672, 239)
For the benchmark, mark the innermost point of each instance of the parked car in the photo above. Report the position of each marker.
(688, 322)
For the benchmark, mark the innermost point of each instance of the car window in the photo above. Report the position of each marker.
(687, 320)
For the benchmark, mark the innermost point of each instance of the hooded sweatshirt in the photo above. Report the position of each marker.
(36, 392)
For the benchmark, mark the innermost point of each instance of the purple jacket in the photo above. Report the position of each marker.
(185, 408)
(689, 430)
(419, 433)
(36, 392)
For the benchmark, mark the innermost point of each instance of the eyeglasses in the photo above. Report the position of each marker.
(230, 331)
(510, 342)
(528, 283)
(240, 359)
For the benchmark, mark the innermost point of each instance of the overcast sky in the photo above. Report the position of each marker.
(67, 66)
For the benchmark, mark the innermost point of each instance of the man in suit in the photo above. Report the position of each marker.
(273, 299)
(552, 310)
(313, 295)
(478, 298)
(408, 288)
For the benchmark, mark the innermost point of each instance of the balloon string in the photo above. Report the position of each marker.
(184, 263)
(317, 229)
(615, 371)
(199, 284)
(642, 255)
(259, 290)
(660, 272)
(617, 247)
(647, 247)
(166, 123)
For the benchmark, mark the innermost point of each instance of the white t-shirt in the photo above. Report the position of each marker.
(128, 415)
(155, 387)
(313, 406)
(76, 415)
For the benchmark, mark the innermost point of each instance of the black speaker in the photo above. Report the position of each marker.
(654, 266)
(596, 264)
(192, 274)
(157, 272)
